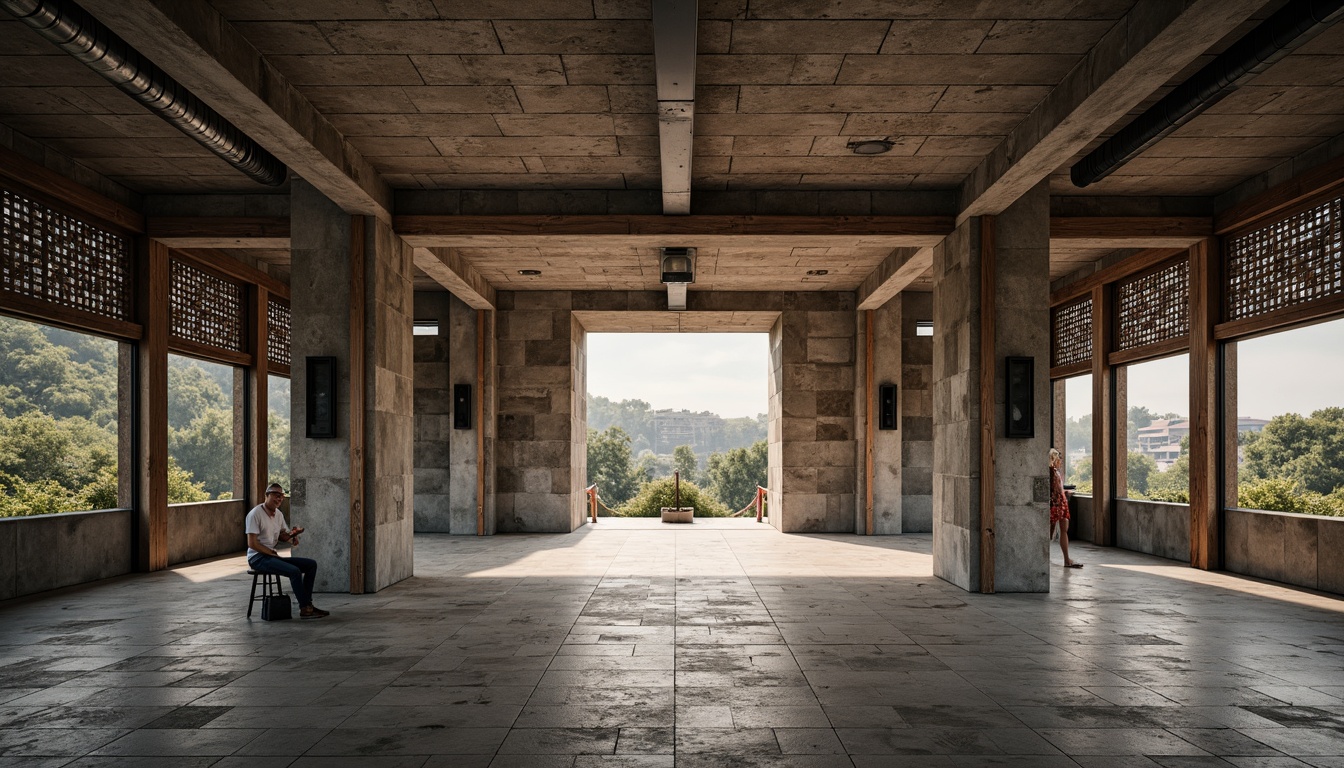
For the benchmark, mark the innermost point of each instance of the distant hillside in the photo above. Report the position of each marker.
(662, 430)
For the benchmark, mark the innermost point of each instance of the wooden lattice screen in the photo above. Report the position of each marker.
(57, 259)
(205, 309)
(1153, 308)
(1290, 262)
(277, 339)
(1071, 334)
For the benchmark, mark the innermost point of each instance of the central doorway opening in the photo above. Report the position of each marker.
(678, 418)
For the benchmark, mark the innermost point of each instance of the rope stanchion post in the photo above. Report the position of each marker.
(592, 501)
(760, 503)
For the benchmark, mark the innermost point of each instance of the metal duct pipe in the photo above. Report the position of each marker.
(1276, 37)
(82, 36)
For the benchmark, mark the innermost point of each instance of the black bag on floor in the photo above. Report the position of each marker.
(276, 608)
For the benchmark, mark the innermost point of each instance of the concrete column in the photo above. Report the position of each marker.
(903, 458)
(538, 490)
(815, 360)
(1019, 268)
(434, 438)
(323, 292)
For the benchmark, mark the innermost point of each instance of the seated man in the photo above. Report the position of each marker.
(265, 529)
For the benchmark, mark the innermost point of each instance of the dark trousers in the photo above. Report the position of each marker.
(300, 570)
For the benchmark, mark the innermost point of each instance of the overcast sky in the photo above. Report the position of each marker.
(1296, 371)
(724, 373)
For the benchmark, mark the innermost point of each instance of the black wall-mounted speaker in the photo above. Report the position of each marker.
(461, 406)
(1019, 399)
(320, 402)
(886, 406)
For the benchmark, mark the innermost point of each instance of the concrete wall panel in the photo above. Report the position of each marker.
(1154, 528)
(207, 529)
(53, 551)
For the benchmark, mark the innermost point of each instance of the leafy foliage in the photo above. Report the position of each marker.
(660, 493)
(684, 462)
(733, 476)
(609, 466)
(1308, 451)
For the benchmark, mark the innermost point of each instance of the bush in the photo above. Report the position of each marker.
(658, 494)
(1278, 494)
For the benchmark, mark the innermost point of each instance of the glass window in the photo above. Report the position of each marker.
(1283, 394)
(59, 413)
(277, 430)
(200, 430)
(1078, 432)
(1153, 445)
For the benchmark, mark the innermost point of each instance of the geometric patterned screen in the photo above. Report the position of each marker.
(1290, 262)
(1071, 334)
(1153, 308)
(205, 308)
(58, 259)
(277, 340)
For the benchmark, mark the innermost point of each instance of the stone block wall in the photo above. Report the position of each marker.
(433, 415)
(578, 423)
(819, 456)
(389, 421)
(774, 435)
(1153, 527)
(956, 406)
(903, 458)
(534, 448)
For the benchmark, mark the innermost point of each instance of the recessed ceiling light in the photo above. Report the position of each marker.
(870, 146)
(818, 272)
(529, 272)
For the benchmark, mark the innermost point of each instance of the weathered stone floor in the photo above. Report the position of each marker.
(713, 646)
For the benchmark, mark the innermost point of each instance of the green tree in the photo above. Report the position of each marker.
(684, 462)
(181, 488)
(609, 466)
(1139, 467)
(70, 452)
(733, 476)
(1173, 483)
(1308, 451)
(204, 449)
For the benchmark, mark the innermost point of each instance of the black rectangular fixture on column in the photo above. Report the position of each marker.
(320, 402)
(886, 406)
(461, 406)
(1019, 399)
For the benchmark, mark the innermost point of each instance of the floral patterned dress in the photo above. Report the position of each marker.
(1059, 503)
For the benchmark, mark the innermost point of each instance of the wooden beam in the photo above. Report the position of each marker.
(1142, 51)
(258, 404)
(67, 317)
(481, 318)
(1317, 311)
(868, 420)
(26, 176)
(223, 232)
(988, 371)
(1133, 265)
(656, 231)
(151, 509)
(1128, 231)
(896, 272)
(1103, 453)
(1326, 178)
(357, 373)
(1150, 351)
(202, 50)
(1205, 496)
(457, 275)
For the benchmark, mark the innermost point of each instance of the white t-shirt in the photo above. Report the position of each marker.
(268, 528)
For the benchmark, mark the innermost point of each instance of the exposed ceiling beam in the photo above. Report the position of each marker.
(194, 44)
(1129, 231)
(636, 321)
(456, 275)
(30, 175)
(222, 232)
(1311, 176)
(657, 231)
(1144, 50)
(893, 275)
(674, 30)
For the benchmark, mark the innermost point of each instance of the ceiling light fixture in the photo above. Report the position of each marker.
(529, 272)
(678, 271)
(818, 272)
(871, 146)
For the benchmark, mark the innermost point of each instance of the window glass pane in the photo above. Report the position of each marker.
(277, 431)
(1078, 432)
(1285, 391)
(1155, 453)
(200, 430)
(58, 420)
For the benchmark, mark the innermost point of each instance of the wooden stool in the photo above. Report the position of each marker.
(270, 585)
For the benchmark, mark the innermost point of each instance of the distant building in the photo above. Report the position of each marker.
(1162, 433)
(672, 428)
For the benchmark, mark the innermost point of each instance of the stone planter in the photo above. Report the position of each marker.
(678, 514)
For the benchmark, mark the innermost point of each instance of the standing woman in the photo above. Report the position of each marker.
(1059, 507)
